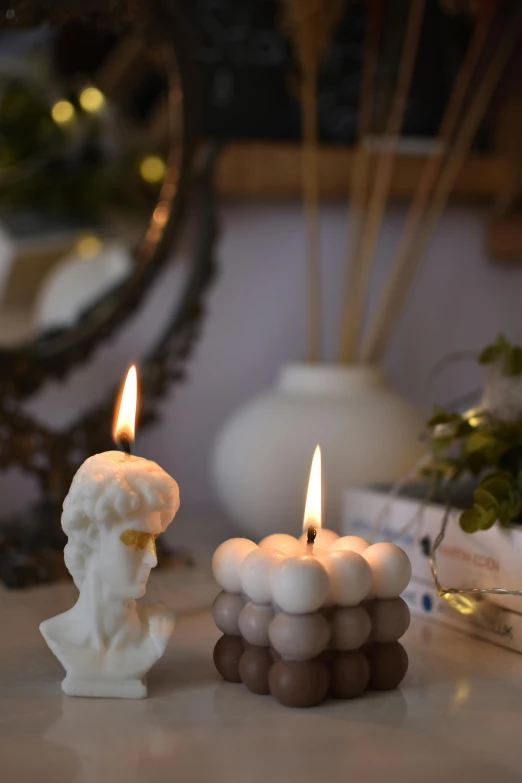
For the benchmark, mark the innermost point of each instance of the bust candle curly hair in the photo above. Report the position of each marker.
(107, 490)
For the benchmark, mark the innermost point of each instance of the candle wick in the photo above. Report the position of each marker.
(310, 537)
(124, 444)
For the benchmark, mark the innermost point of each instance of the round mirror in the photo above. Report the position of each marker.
(96, 138)
(94, 150)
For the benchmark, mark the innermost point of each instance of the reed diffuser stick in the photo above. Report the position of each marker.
(379, 194)
(310, 175)
(360, 173)
(429, 176)
(397, 289)
(310, 25)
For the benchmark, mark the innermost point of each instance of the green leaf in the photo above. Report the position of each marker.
(484, 498)
(502, 350)
(497, 484)
(495, 351)
(504, 512)
(469, 521)
(463, 428)
(442, 416)
(513, 361)
(441, 444)
(489, 355)
(477, 463)
(519, 481)
(487, 521)
(480, 441)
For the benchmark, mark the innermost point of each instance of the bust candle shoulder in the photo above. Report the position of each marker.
(116, 507)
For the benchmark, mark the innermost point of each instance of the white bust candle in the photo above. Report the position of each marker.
(116, 507)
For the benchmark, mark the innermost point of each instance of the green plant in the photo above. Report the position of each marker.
(508, 356)
(479, 445)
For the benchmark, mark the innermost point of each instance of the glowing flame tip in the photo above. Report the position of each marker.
(125, 424)
(312, 514)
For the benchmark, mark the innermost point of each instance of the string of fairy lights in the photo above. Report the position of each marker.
(86, 110)
(151, 167)
(83, 171)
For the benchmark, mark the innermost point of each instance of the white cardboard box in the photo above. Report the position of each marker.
(491, 558)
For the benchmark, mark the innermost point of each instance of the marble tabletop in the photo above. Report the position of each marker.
(456, 717)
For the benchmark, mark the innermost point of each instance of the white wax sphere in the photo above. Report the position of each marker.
(227, 561)
(288, 545)
(391, 569)
(299, 584)
(255, 572)
(253, 623)
(323, 539)
(350, 577)
(351, 628)
(353, 543)
(299, 637)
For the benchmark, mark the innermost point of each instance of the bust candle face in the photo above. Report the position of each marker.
(138, 540)
(127, 554)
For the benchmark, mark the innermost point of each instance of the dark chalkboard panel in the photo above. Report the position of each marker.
(249, 76)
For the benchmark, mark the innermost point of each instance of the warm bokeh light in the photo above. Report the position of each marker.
(462, 603)
(473, 416)
(161, 215)
(88, 246)
(152, 169)
(125, 422)
(62, 112)
(312, 514)
(91, 99)
(461, 693)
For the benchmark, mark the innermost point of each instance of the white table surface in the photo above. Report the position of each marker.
(457, 716)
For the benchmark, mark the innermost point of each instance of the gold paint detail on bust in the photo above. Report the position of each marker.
(139, 540)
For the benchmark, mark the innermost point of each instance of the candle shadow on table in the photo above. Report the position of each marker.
(388, 708)
(179, 673)
(187, 662)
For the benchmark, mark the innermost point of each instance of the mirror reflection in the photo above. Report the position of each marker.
(83, 148)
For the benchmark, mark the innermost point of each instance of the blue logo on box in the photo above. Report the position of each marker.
(427, 602)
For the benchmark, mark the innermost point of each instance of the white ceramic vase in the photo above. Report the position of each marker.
(261, 462)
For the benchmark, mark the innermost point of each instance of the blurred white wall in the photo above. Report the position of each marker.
(256, 321)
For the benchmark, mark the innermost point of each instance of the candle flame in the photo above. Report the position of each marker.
(126, 418)
(312, 514)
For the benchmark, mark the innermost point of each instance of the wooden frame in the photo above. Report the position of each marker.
(273, 170)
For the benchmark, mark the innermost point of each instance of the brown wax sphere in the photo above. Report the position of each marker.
(388, 665)
(225, 612)
(327, 657)
(227, 653)
(299, 683)
(350, 674)
(390, 620)
(299, 637)
(253, 622)
(254, 667)
(351, 627)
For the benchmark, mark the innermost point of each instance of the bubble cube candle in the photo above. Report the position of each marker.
(305, 619)
(307, 627)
